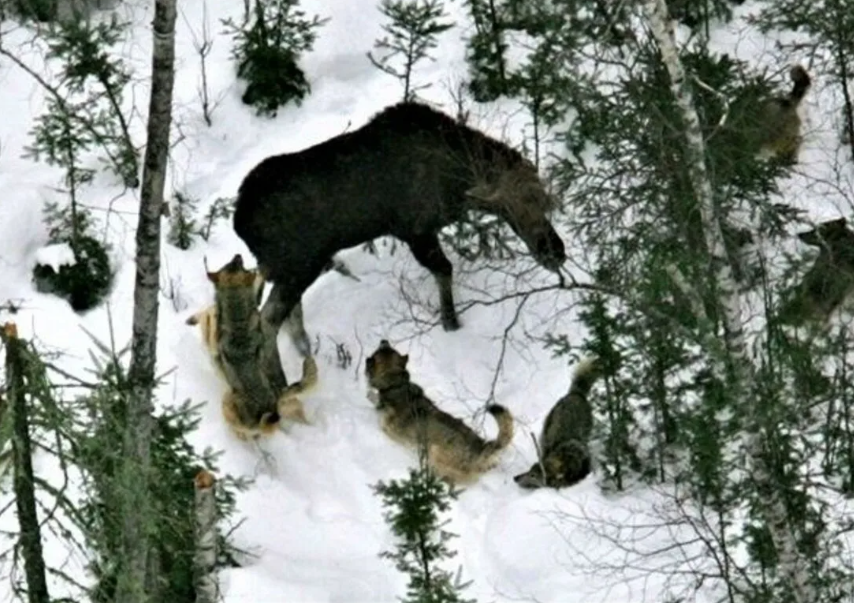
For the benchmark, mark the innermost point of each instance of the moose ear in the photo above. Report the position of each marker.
(481, 193)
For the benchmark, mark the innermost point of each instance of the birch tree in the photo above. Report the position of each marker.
(733, 362)
(135, 473)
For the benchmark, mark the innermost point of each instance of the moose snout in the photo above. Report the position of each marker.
(550, 252)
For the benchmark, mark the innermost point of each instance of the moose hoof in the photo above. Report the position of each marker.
(450, 323)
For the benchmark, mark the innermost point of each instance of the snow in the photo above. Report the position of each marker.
(55, 256)
(310, 519)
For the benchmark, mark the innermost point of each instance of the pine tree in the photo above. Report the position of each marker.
(182, 224)
(267, 53)
(412, 32)
(415, 505)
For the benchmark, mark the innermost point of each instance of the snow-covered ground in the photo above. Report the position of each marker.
(310, 517)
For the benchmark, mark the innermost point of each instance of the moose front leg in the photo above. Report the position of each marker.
(429, 254)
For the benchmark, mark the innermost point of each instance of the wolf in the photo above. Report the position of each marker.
(780, 124)
(829, 283)
(232, 324)
(563, 447)
(454, 451)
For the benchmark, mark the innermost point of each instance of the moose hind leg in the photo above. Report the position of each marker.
(429, 254)
(296, 330)
(273, 314)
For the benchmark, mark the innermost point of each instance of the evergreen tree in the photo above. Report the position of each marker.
(174, 465)
(267, 52)
(415, 505)
(85, 113)
(182, 225)
(412, 32)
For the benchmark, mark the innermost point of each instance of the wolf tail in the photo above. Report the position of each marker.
(269, 420)
(800, 83)
(505, 431)
(584, 377)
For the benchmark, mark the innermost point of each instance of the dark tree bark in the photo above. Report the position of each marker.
(137, 517)
(29, 538)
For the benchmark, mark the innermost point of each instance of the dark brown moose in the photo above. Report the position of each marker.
(409, 172)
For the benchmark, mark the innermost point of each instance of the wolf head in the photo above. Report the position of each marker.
(234, 275)
(386, 367)
(563, 467)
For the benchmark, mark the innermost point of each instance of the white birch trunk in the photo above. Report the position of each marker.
(136, 506)
(204, 561)
(791, 567)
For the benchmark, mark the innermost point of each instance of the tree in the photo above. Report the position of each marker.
(412, 33)
(136, 504)
(267, 54)
(415, 504)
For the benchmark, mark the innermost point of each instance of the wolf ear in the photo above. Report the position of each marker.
(404, 359)
(213, 277)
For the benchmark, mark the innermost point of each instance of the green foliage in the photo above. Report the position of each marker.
(182, 224)
(267, 52)
(221, 209)
(545, 28)
(86, 282)
(415, 505)
(85, 111)
(174, 464)
(698, 14)
(412, 33)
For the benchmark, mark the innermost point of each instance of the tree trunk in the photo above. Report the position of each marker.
(137, 520)
(207, 589)
(733, 361)
(25, 496)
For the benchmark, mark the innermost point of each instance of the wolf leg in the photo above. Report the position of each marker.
(429, 254)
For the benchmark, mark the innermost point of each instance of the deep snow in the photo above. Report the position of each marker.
(310, 517)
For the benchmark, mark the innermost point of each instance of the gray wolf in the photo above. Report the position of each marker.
(453, 450)
(563, 445)
(829, 281)
(780, 124)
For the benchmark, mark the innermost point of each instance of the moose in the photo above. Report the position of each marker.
(409, 172)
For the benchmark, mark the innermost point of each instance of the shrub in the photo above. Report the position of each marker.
(85, 283)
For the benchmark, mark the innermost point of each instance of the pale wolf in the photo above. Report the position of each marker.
(231, 333)
(564, 454)
(454, 451)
